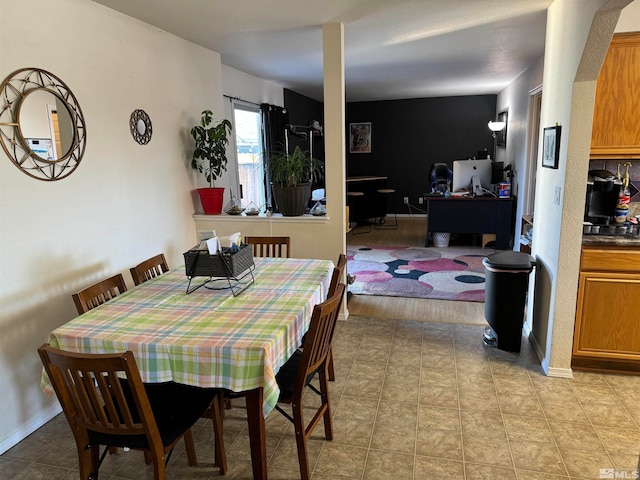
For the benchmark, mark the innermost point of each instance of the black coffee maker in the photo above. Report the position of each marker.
(602, 197)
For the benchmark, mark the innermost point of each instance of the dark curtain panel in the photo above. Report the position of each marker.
(274, 121)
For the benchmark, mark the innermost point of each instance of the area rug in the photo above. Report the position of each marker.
(452, 273)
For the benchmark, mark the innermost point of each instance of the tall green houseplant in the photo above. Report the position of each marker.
(210, 158)
(291, 178)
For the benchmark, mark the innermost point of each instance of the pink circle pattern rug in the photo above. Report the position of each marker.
(453, 273)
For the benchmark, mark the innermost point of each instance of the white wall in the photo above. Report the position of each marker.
(124, 203)
(515, 99)
(252, 89)
(629, 20)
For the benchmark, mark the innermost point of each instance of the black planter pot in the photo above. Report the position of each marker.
(292, 201)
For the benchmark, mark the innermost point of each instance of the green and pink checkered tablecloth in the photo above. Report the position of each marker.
(208, 338)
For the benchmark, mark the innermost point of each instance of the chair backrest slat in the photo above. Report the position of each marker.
(150, 268)
(99, 293)
(90, 391)
(269, 246)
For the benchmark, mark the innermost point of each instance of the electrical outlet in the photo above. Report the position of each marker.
(406, 200)
(420, 200)
(556, 196)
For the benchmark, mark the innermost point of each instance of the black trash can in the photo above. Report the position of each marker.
(506, 284)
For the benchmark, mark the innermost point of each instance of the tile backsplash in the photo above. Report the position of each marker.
(634, 177)
(612, 166)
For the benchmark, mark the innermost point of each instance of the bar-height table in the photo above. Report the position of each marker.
(210, 338)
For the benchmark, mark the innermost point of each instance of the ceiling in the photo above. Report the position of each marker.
(393, 48)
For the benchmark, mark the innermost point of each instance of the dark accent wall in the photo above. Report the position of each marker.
(408, 136)
(302, 110)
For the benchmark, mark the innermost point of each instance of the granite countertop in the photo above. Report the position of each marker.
(612, 240)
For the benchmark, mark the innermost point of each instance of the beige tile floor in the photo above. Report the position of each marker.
(412, 400)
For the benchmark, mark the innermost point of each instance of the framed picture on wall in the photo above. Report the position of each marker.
(501, 136)
(360, 137)
(551, 147)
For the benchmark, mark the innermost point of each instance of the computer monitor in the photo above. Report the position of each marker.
(465, 170)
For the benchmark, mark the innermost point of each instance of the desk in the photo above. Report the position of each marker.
(210, 338)
(472, 215)
(372, 206)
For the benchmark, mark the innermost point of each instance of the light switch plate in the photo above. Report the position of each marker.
(556, 196)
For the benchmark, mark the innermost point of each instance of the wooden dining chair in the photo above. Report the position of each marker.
(99, 293)
(338, 274)
(298, 372)
(150, 268)
(269, 246)
(106, 403)
(336, 278)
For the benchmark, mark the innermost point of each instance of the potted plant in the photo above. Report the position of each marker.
(291, 178)
(210, 158)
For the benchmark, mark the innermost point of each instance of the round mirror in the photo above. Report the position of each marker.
(42, 128)
(140, 126)
(45, 124)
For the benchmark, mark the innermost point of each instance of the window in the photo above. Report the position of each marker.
(248, 136)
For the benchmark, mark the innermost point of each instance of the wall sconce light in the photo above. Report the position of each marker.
(496, 127)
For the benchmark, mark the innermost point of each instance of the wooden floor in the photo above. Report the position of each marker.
(410, 233)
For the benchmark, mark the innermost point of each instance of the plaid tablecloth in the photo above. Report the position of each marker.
(208, 338)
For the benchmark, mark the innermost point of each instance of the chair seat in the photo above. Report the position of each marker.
(172, 422)
(286, 377)
(386, 190)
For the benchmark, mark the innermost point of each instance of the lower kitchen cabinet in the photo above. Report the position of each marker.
(607, 328)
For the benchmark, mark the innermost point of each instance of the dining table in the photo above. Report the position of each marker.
(209, 338)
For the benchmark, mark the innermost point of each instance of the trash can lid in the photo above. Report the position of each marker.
(510, 260)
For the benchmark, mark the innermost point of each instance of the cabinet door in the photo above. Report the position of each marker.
(616, 123)
(608, 316)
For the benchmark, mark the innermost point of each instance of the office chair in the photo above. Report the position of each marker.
(440, 177)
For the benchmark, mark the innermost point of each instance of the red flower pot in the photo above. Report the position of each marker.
(211, 200)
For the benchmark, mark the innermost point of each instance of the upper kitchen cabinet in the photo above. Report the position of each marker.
(616, 121)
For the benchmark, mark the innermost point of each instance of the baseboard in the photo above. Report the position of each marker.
(544, 362)
(27, 429)
(411, 215)
(534, 343)
(557, 372)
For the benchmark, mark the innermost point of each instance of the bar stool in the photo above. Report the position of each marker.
(388, 196)
(356, 208)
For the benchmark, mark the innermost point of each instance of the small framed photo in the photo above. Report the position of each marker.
(360, 137)
(551, 147)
